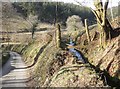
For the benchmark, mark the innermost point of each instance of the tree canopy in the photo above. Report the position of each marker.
(47, 11)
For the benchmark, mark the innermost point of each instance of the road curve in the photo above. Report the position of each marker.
(14, 73)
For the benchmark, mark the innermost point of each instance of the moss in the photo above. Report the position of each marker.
(44, 61)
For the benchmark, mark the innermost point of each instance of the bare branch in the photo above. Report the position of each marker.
(98, 4)
(98, 19)
(78, 2)
(106, 4)
(82, 5)
(105, 11)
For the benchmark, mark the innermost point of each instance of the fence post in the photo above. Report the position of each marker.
(58, 36)
(87, 31)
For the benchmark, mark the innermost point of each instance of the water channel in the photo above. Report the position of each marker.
(75, 52)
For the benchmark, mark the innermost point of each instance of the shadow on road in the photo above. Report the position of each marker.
(6, 72)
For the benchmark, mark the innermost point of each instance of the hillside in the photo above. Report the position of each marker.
(51, 66)
(59, 54)
(11, 20)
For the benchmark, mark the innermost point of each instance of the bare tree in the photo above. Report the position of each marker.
(101, 15)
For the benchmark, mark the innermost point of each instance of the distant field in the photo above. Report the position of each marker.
(20, 30)
(13, 25)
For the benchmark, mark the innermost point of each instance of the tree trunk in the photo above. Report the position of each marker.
(101, 15)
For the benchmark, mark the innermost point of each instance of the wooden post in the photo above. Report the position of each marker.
(58, 36)
(87, 31)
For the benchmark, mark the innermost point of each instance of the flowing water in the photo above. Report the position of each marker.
(75, 52)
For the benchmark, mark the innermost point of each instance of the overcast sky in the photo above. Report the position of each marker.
(84, 2)
(90, 2)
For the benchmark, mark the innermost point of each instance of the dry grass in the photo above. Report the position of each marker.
(44, 25)
(13, 25)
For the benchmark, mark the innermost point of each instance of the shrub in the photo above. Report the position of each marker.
(74, 23)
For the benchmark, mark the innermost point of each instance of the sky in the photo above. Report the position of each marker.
(90, 2)
(83, 2)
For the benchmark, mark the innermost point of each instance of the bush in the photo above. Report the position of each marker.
(74, 23)
(74, 26)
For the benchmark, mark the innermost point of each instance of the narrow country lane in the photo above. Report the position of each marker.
(14, 73)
